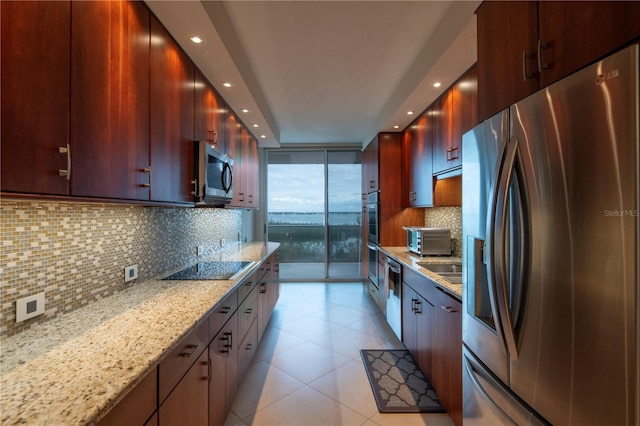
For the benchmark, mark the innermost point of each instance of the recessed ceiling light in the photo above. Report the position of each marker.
(263, 136)
(255, 125)
(245, 110)
(196, 39)
(409, 112)
(437, 84)
(396, 127)
(227, 84)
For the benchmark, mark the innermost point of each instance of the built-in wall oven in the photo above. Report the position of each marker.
(373, 208)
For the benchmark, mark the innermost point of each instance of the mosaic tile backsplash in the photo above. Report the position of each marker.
(76, 253)
(446, 217)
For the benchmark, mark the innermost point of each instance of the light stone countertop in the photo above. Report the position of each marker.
(402, 255)
(75, 368)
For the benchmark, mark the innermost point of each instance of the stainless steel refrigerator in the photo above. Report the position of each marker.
(551, 246)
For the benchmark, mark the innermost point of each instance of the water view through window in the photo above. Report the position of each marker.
(314, 212)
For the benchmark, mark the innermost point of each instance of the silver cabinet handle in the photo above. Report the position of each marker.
(61, 172)
(195, 187)
(147, 170)
(526, 75)
(449, 309)
(541, 46)
(191, 349)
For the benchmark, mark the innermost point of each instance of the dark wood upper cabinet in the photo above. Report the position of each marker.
(577, 33)
(211, 115)
(524, 46)
(243, 148)
(441, 115)
(234, 132)
(35, 96)
(370, 167)
(507, 35)
(110, 99)
(465, 107)
(417, 165)
(172, 124)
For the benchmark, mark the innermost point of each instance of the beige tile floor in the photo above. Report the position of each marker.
(308, 370)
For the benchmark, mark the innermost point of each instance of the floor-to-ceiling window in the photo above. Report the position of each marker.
(314, 212)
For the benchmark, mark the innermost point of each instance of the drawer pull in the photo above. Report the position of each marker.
(190, 350)
(249, 311)
(225, 310)
(449, 309)
(228, 338)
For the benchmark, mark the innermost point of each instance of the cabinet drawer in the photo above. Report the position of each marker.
(422, 285)
(245, 288)
(247, 350)
(176, 364)
(221, 314)
(247, 313)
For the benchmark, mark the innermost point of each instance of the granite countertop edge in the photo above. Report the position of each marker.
(402, 255)
(76, 367)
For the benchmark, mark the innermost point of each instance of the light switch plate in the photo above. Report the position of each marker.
(29, 307)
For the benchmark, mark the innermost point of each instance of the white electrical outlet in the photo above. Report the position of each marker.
(130, 273)
(200, 250)
(29, 307)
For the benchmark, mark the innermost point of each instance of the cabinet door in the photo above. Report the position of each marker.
(188, 403)
(264, 308)
(576, 33)
(417, 153)
(138, 406)
(35, 96)
(440, 113)
(223, 354)
(235, 152)
(464, 94)
(447, 353)
(370, 167)
(424, 335)
(172, 124)
(409, 331)
(110, 99)
(252, 166)
(211, 115)
(507, 40)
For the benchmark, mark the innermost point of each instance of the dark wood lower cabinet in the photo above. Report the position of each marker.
(200, 391)
(223, 353)
(188, 403)
(447, 353)
(417, 329)
(137, 407)
(432, 332)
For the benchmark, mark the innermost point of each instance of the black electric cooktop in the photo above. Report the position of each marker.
(222, 270)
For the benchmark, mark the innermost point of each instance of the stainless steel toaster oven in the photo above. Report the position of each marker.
(428, 241)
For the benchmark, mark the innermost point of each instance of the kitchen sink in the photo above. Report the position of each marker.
(451, 272)
(440, 268)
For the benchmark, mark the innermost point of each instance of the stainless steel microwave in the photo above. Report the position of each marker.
(214, 176)
(428, 241)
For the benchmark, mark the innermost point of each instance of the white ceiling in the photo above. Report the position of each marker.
(325, 72)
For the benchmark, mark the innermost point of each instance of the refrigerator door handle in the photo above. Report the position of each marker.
(500, 248)
(488, 252)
